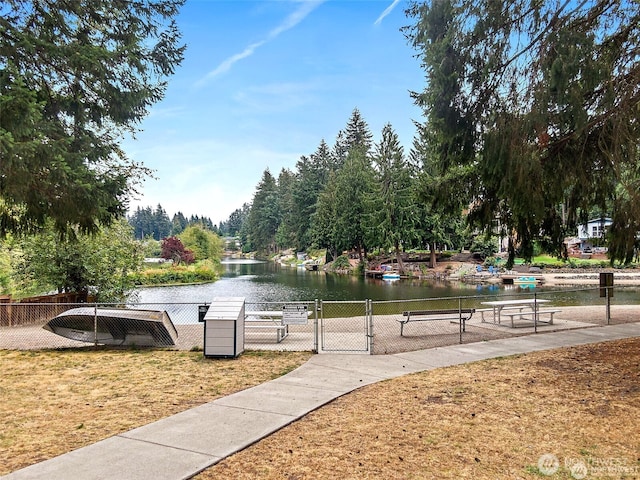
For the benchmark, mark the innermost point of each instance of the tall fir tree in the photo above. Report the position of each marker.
(74, 77)
(393, 211)
(547, 126)
(264, 218)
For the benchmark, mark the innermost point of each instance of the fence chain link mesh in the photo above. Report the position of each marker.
(331, 326)
(344, 326)
(264, 330)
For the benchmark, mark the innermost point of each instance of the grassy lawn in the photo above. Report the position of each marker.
(507, 418)
(487, 420)
(55, 401)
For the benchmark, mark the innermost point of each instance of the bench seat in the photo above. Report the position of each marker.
(459, 315)
(282, 330)
(491, 309)
(531, 315)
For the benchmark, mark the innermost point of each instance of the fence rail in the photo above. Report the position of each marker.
(358, 326)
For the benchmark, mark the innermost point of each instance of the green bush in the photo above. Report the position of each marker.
(485, 246)
(342, 263)
(201, 272)
(490, 261)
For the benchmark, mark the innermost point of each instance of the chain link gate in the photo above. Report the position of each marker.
(345, 326)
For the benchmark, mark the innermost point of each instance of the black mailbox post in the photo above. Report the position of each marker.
(606, 282)
(202, 311)
(606, 290)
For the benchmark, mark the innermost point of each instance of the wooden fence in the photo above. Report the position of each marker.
(35, 310)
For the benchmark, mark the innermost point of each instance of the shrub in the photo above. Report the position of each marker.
(342, 263)
(486, 247)
(201, 273)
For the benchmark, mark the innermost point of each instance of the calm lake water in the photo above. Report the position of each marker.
(261, 282)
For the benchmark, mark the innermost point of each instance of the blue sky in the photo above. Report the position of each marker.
(262, 83)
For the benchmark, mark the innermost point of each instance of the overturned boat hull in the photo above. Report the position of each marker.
(115, 326)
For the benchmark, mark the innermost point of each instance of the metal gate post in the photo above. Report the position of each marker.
(320, 327)
(460, 317)
(535, 312)
(370, 325)
(315, 326)
(95, 325)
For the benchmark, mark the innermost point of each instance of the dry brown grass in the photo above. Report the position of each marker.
(57, 401)
(486, 420)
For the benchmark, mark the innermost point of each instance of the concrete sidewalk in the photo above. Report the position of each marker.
(182, 445)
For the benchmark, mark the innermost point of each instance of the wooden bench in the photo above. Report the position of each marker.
(531, 315)
(267, 319)
(460, 315)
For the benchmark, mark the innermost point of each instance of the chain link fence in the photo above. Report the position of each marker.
(281, 326)
(28, 326)
(345, 326)
(376, 327)
(522, 312)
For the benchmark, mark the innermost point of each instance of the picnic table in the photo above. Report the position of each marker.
(268, 319)
(524, 307)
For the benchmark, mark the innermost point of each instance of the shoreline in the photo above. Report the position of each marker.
(457, 271)
(592, 278)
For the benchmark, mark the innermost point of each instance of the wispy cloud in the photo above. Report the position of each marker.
(293, 19)
(277, 96)
(386, 12)
(226, 65)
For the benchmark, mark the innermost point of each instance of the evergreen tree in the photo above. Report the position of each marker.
(285, 235)
(178, 223)
(148, 223)
(75, 76)
(233, 225)
(538, 126)
(324, 219)
(354, 185)
(142, 223)
(357, 133)
(392, 213)
(161, 223)
(311, 178)
(264, 218)
(437, 212)
(339, 151)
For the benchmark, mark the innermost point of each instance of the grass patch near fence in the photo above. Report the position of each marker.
(55, 401)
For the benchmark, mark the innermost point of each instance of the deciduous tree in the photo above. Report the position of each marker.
(173, 249)
(99, 264)
(204, 244)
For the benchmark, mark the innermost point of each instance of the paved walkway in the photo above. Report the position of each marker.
(182, 445)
